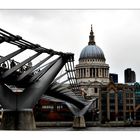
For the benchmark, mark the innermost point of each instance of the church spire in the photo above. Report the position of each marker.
(91, 37)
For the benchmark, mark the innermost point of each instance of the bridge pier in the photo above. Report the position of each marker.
(18, 120)
(79, 122)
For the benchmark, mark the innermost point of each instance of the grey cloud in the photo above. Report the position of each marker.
(117, 32)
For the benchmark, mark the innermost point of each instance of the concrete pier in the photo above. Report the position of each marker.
(79, 122)
(18, 120)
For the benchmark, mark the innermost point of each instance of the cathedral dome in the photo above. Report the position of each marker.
(92, 51)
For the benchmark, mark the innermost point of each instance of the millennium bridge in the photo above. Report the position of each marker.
(22, 84)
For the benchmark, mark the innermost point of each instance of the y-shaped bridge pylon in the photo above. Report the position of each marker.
(18, 105)
(35, 82)
(76, 104)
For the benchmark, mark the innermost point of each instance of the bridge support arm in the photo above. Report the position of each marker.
(34, 92)
(42, 72)
(7, 98)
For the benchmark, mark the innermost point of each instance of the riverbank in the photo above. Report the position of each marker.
(88, 124)
(113, 126)
(89, 129)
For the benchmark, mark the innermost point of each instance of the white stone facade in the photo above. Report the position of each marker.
(91, 76)
(92, 71)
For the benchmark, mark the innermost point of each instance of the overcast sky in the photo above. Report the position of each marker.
(117, 33)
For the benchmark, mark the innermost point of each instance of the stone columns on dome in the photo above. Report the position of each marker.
(95, 72)
(85, 72)
(105, 72)
(88, 72)
(108, 72)
(82, 73)
(98, 72)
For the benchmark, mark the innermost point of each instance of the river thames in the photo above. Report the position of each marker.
(89, 129)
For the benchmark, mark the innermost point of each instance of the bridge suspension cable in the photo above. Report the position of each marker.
(69, 66)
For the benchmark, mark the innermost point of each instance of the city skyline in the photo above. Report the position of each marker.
(116, 33)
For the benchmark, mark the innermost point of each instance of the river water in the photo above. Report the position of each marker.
(95, 133)
(89, 129)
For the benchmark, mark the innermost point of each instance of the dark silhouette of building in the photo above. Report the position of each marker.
(129, 76)
(113, 77)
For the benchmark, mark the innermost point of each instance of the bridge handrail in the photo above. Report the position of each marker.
(8, 62)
